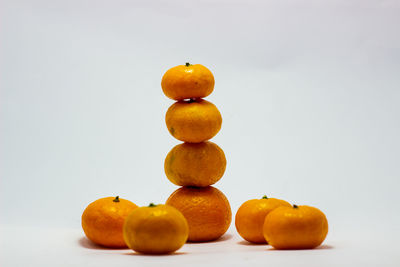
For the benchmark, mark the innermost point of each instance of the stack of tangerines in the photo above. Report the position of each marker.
(197, 163)
(197, 211)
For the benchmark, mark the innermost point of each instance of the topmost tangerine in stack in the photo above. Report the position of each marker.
(187, 81)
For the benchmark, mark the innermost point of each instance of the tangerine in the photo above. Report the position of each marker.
(297, 227)
(250, 217)
(103, 219)
(195, 164)
(206, 210)
(187, 81)
(156, 229)
(193, 121)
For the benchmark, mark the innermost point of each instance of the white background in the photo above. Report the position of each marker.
(309, 92)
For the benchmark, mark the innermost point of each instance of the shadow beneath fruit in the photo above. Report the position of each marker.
(221, 239)
(317, 248)
(86, 243)
(246, 243)
(133, 253)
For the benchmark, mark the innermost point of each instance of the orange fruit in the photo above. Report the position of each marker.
(250, 217)
(297, 227)
(103, 219)
(206, 210)
(193, 121)
(195, 164)
(187, 81)
(156, 229)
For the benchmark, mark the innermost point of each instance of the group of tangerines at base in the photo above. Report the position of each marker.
(161, 229)
(198, 212)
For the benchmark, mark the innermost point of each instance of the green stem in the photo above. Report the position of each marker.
(264, 197)
(295, 206)
(116, 199)
(188, 64)
(152, 205)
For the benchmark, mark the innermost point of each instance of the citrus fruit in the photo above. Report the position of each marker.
(297, 227)
(103, 219)
(195, 164)
(156, 229)
(187, 81)
(250, 217)
(193, 121)
(206, 210)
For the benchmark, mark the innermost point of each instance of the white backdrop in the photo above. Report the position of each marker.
(308, 91)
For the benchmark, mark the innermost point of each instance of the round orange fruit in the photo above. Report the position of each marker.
(250, 217)
(156, 229)
(297, 227)
(187, 81)
(206, 210)
(193, 121)
(195, 164)
(103, 220)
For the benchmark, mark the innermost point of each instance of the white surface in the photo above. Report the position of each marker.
(67, 247)
(308, 91)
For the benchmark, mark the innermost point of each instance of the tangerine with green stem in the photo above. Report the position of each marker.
(156, 229)
(103, 220)
(250, 217)
(297, 227)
